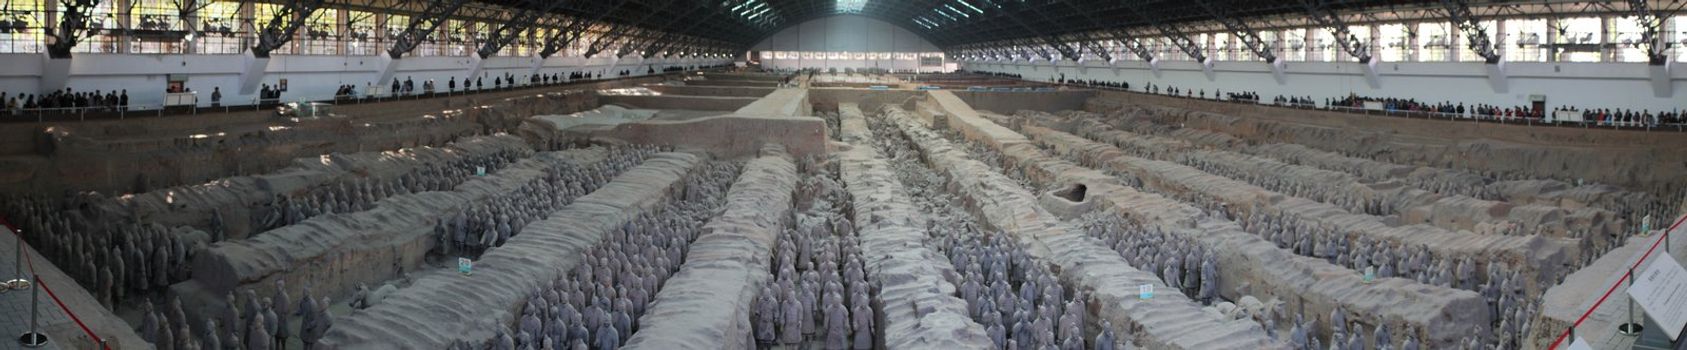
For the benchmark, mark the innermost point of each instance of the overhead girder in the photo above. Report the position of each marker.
(72, 27)
(1651, 20)
(1240, 29)
(1476, 35)
(576, 29)
(432, 16)
(565, 35)
(1173, 33)
(1054, 41)
(670, 31)
(283, 25)
(526, 15)
(1326, 17)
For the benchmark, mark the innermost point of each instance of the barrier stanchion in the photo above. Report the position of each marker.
(33, 338)
(17, 281)
(1663, 239)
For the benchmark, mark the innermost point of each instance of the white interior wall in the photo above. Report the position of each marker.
(1587, 85)
(846, 33)
(308, 77)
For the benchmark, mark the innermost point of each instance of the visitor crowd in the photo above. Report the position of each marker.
(67, 98)
(1594, 116)
(268, 94)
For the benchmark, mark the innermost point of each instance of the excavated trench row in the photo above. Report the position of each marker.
(1252, 265)
(708, 304)
(244, 201)
(440, 307)
(1407, 204)
(1170, 321)
(917, 297)
(1631, 206)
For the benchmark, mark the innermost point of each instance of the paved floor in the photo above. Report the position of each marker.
(15, 304)
(63, 332)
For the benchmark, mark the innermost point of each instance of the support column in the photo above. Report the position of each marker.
(252, 67)
(1552, 38)
(342, 26)
(191, 21)
(55, 73)
(126, 19)
(1414, 42)
(1606, 36)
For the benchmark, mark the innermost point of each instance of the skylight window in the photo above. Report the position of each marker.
(851, 6)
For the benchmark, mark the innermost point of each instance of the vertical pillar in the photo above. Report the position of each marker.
(1376, 42)
(342, 26)
(1309, 38)
(191, 21)
(55, 74)
(120, 9)
(1456, 35)
(1552, 39)
(1501, 37)
(1606, 35)
(248, 25)
(1413, 42)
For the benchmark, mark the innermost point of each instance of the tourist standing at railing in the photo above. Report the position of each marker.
(451, 85)
(216, 96)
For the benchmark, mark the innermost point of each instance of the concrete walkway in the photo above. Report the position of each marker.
(63, 333)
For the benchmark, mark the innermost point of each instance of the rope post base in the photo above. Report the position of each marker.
(16, 284)
(32, 340)
(1630, 329)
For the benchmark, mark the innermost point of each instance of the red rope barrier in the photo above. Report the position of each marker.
(1561, 336)
(30, 261)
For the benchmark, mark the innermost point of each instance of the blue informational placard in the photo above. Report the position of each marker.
(1145, 292)
(465, 266)
(479, 171)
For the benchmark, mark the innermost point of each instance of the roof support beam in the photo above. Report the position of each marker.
(72, 27)
(1324, 16)
(1240, 29)
(1172, 32)
(1652, 27)
(1477, 35)
(530, 12)
(281, 28)
(432, 16)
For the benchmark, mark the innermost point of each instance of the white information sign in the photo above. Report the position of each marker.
(1662, 292)
(1580, 344)
(1145, 292)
